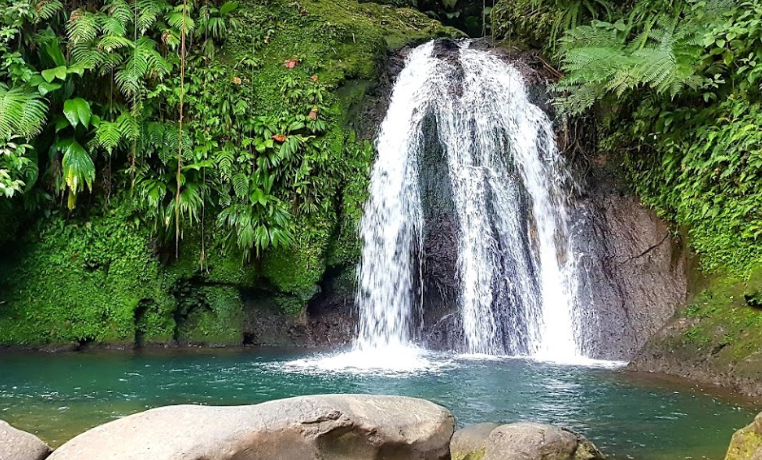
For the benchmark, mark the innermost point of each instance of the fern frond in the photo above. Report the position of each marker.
(83, 26)
(119, 10)
(148, 13)
(111, 43)
(46, 9)
(22, 112)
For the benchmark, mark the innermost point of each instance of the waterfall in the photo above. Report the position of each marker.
(516, 270)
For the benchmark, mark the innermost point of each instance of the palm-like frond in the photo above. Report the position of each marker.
(598, 60)
(83, 26)
(149, 12)
(46, 9)
(22, 112)
(144, 61)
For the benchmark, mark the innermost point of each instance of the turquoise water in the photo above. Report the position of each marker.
(627, 416)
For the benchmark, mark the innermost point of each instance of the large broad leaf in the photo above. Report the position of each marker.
(53, 49)
(228, 7)
(78, 68)
(77, 111)
(51, 74)
(78, 169)
(45, 87)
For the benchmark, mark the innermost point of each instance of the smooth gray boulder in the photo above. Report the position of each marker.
(20, 445)
(336, 427)
(521, 441)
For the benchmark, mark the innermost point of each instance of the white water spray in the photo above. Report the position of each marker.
(516, 269)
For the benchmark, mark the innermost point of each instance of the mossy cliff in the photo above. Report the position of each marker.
(716, 339)
(103, 278)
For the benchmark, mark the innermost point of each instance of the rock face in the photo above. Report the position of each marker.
(747, 442)
(634, 271)
(20, 445)
(521, 441)
(338, 427)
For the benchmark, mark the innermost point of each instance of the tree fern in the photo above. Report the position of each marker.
(599, 61)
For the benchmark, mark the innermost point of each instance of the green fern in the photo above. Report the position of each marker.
(83, 26)
(599, 61)
(22, 112)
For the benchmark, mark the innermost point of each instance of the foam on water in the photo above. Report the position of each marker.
(393, 361)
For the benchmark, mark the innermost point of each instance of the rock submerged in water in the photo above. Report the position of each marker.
(20, 445)
(521, 441)
(337, 427)
(746, 443)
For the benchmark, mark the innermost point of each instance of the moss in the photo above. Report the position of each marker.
(717, 337)
(221, 265)
(745, 443)
(83, 281)
(296, 270)
(216, 320)
(474, 455)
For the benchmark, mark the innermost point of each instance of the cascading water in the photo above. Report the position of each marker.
(516, 268)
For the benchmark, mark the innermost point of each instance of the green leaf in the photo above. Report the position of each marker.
(77, 111)
(78, 169)
(49, 75)
(61, 123)
(78, 68)
(45, 87)
(228, 7)
(53, 49)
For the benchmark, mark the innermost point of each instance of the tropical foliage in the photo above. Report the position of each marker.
(92, 107)
(676, 86)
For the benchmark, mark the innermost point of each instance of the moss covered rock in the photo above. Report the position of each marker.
(716, 339)
(83, 282)
(747, 442)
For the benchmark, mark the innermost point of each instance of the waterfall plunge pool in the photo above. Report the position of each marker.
(628, 416)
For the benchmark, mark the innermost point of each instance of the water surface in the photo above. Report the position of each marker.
(627, 416)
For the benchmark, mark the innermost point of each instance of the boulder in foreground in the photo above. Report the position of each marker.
(337, 427)
(521, 441)
(747, 442)
(20, 445)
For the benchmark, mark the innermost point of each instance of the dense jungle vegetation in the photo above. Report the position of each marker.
(177, 152)
(160, 156)
(675, 86)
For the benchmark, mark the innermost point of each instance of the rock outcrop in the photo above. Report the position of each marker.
(20, 445)
(521, 441)
(747, 442)
(339, 427)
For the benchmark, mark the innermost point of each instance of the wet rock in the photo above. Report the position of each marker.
(746, 443)
(20, 445)
(341, 427)
(632, 271)
(753, 289)
(521, 441)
